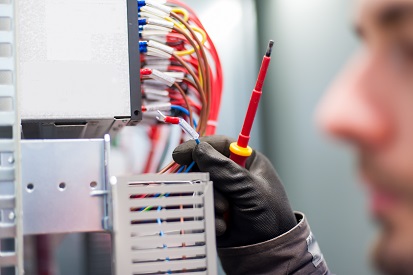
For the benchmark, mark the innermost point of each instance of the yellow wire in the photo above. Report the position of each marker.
(182, 11)
(182, 27)
(192, 50)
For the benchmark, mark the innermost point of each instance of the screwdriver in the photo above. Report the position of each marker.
(240, 150)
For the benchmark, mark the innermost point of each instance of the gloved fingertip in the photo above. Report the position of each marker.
(183, 153)
(220, 226)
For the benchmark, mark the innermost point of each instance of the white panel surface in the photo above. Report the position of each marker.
(73, 59)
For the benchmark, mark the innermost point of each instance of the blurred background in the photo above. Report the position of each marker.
(313, 41)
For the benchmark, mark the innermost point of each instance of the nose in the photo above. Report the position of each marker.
(350, 110)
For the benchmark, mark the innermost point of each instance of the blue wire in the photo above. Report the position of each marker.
(159, 222)
(156, 195)
(181, 169)
(183, 110)
(190, 166)
(141, 3)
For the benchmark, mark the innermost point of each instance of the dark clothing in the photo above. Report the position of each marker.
(294, 252)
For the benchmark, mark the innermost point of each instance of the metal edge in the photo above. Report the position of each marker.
(134, 63)
(17, 154)
(210, 229)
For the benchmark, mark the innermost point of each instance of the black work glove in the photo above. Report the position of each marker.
(251, 205)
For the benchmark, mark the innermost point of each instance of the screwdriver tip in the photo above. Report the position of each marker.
(269, 49)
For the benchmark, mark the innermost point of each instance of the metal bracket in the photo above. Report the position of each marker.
(104, 193)
(64, 185)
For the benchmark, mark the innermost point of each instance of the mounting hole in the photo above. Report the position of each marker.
(30, 187)
(93, 184)
(136, 112)
(62, 186)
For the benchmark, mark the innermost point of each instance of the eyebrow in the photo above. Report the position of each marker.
(390, 15)
(394, 14)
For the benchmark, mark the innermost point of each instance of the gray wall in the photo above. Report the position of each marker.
(313, 40)
(232, 27)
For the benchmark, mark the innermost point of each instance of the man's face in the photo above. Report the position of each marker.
(370, 106)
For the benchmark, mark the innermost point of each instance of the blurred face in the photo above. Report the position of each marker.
(370, 106)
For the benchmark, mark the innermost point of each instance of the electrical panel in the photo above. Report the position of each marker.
(78, 67)
(72, 75)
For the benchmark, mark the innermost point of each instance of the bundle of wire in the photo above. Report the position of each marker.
(181, 73)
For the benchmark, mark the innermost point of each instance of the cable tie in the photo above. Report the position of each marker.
(161, 23)
(160, 46)
(168, 80)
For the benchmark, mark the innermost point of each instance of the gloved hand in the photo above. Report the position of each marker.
(251, 205)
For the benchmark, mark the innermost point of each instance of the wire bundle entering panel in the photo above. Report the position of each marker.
(181, 73)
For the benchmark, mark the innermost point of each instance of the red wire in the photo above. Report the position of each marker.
(154, 135)
(217, 81)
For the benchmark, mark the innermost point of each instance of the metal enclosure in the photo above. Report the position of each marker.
(78, 67)
(164, 224)
(78, 78)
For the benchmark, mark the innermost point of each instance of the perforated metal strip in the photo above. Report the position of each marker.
(11, 252)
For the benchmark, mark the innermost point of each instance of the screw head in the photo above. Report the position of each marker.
(12, 216)
(11, 159)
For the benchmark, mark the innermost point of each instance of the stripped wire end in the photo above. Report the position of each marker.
(181, 122)
(269, 49)
(167, 119)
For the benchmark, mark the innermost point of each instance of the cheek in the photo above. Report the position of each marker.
(400, 238)
(397, 155)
